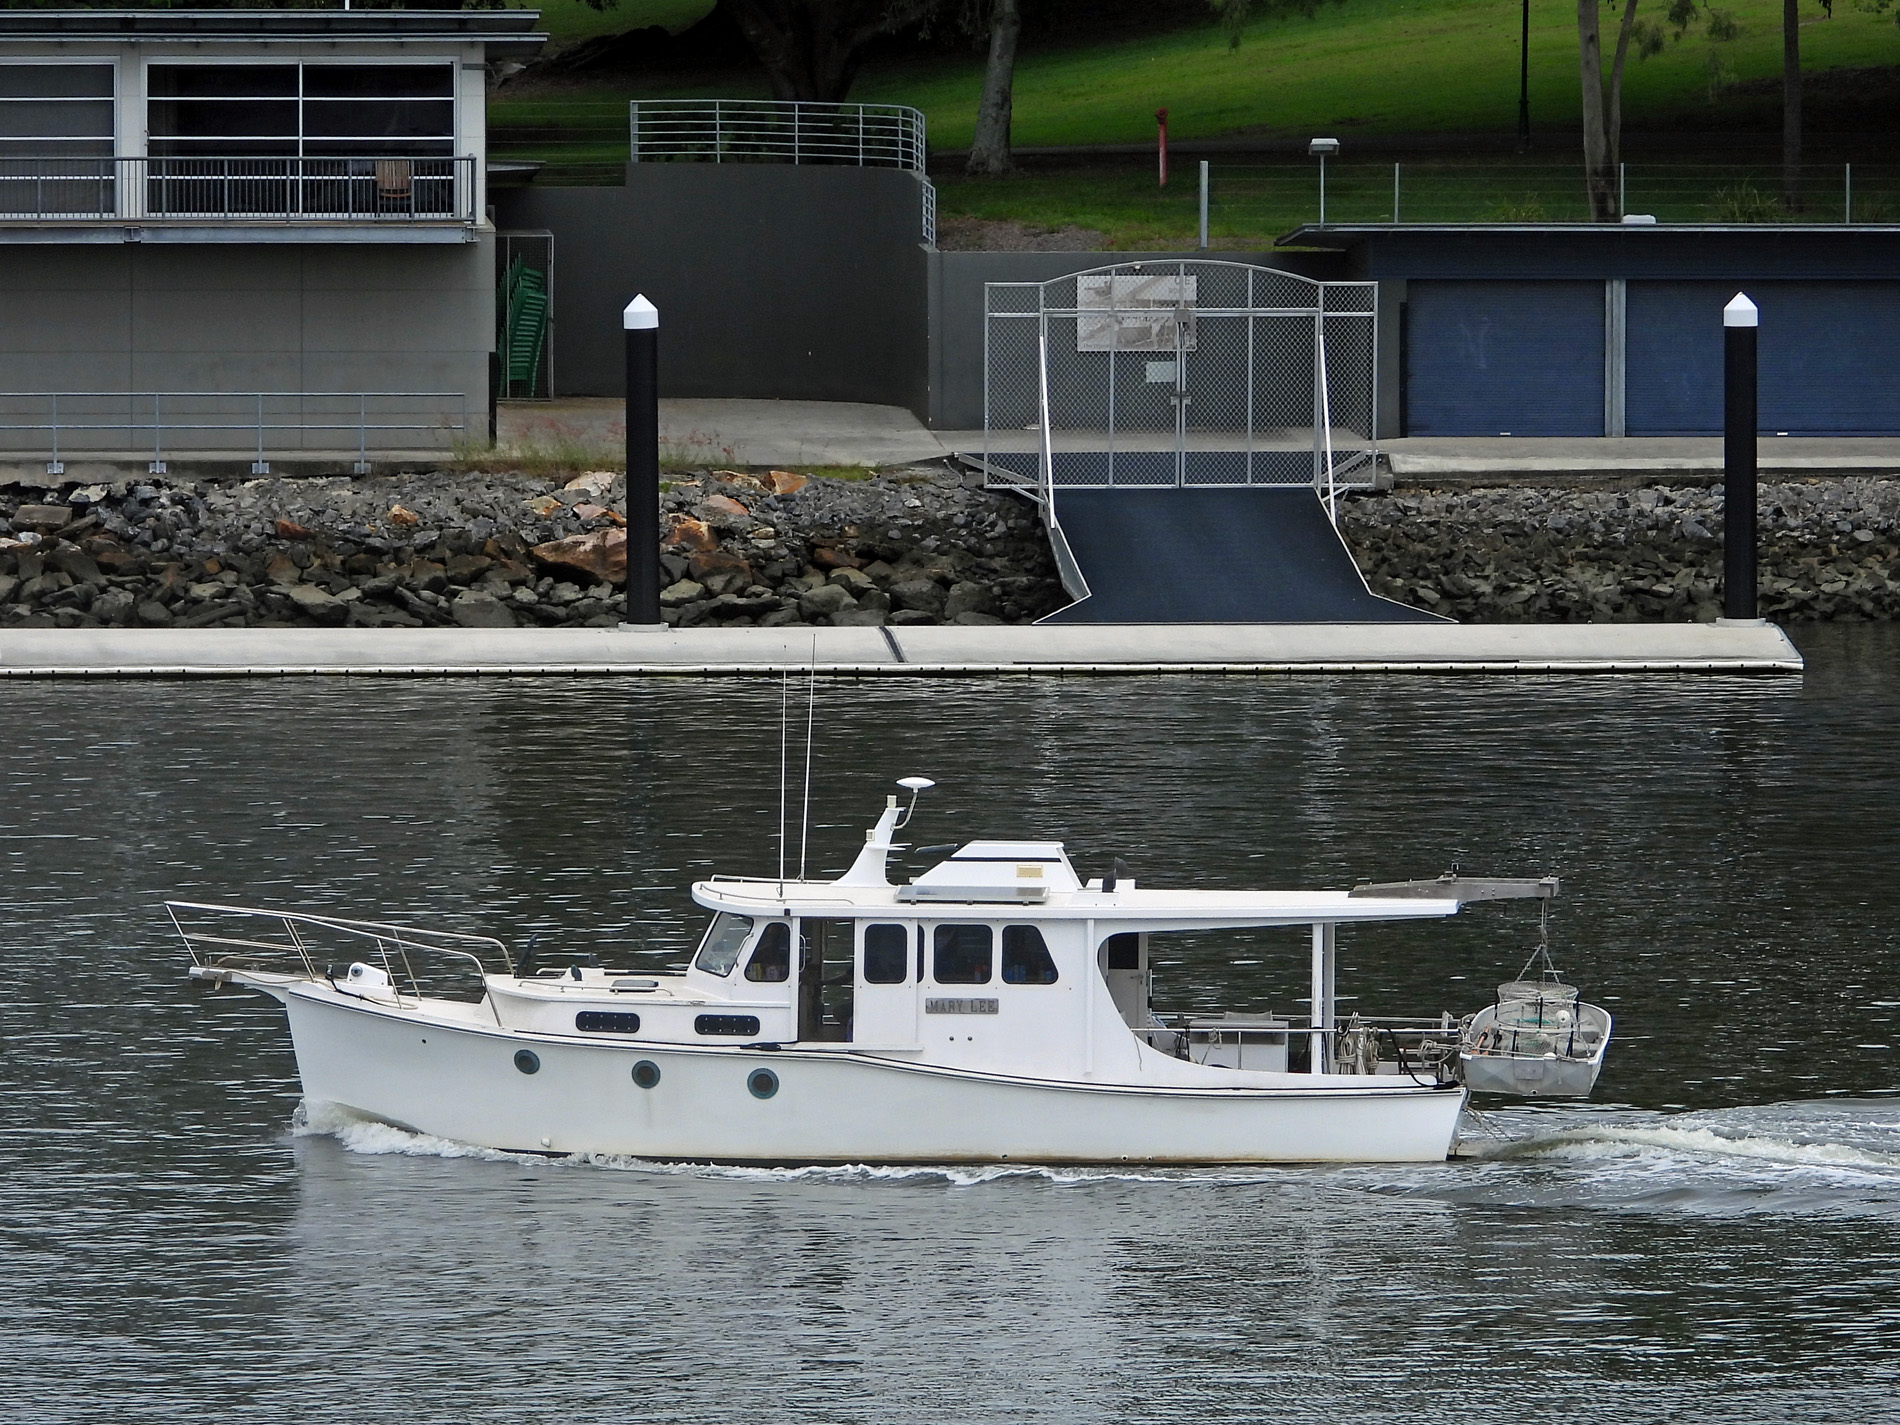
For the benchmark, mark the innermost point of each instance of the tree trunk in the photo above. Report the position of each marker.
(1791, 104)
(811, 49)
(989, 155)
(1599, 174)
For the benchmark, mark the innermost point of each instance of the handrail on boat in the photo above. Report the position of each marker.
(296, 948)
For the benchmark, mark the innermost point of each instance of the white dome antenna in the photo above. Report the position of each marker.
(916, 786)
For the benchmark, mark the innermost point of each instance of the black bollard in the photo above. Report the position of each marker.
(1740, 320)
(642, 322)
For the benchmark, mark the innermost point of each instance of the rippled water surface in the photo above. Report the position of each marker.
(1715, 1238)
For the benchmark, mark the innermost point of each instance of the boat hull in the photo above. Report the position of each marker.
(461, 1082)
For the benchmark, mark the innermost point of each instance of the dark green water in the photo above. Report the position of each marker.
(1716, 1238)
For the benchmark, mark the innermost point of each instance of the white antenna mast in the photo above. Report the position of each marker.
(784, 770)
(811, 704)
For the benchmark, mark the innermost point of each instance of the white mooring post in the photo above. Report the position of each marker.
(1322, 998)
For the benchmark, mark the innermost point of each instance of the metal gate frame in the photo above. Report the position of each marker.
(1049, 424)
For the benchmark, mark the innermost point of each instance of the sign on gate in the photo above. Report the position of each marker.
(1180, 373)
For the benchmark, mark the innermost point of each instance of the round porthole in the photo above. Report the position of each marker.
(646, 1073)
(527, 1061)
(762, 1082)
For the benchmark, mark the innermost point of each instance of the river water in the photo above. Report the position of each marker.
(1716, 1237)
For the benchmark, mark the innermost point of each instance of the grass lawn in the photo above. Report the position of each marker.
(1357, 69)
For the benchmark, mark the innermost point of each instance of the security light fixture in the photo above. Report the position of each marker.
(1321, 148)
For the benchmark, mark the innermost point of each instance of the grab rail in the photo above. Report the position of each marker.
(292, 954)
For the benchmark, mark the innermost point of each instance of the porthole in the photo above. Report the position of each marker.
(743, 1026)
(646, 1073)
(762, 1082)
(527, 1061)
(606, 1021)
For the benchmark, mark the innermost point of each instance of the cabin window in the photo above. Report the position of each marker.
(1026, 958)
(884, 956)
(743, 1025)
(771, 962)
(725, 938)
(606, 1021)
(1122, 952)
(962, 955)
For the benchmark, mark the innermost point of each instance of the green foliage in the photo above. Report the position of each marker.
(1745, 203)
(1236, 15)
(1528, 209)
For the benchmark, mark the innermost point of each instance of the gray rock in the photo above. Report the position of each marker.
(853, 580)
(478, 610)
(968, 598)
(973, 619)
(858, 618)
(153, 614)
(910, 618)
(684, 591)
(826, 601)
(922, 595)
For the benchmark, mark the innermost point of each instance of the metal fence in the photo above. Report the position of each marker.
(776, 131)
(1180, 373)
(141, 189)
(1263, 199)
(255, 423)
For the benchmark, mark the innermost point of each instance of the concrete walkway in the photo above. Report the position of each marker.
(806, 433)
(947, 651)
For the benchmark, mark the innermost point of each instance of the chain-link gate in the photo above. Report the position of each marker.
(1182, 373)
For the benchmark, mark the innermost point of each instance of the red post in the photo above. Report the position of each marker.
(1161, 118)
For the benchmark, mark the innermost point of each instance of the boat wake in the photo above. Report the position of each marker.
(1839, 1157)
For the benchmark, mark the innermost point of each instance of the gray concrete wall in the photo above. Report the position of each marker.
(956, 309)
(772, 280)
(250, 317)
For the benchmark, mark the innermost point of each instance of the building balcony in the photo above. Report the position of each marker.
(237, 198)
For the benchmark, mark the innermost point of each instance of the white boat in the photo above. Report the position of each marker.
(994, 1008)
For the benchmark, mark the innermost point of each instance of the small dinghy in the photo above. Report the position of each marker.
(1538, 1040)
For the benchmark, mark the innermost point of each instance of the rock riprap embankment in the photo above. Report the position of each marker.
(910, 545)
(1516, 554)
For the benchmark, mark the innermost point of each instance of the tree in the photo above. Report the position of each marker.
(1602, 114)
(989, 154)
(812, 49)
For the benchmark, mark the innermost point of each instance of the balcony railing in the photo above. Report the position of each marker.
(236, 189)
(776, 131)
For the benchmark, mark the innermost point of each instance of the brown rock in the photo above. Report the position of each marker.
(717, 505)
(785, 482)
(590, 512)
(282, 569)
(543, 505)
(830, 558)
(290, 529)
(721, 573)
(45, 518)
(685, 532)
(399, 515)
(601, 554)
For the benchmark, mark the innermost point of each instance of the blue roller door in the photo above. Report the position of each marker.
(1504, 358)
(1829, 352)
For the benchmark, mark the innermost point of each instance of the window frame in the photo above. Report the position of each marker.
(902, 951)
(759, 947)
(738, 953)
(937, 951)
(1042, 945)
(412, 147)
(22, 146)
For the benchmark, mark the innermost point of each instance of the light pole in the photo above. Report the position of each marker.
(641, 321)
(1320, 149)
(1524, 83)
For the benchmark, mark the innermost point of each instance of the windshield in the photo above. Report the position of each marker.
(725, 938)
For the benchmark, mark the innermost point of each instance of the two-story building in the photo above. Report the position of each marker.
(213, 215)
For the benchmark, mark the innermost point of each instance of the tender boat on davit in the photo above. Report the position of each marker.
(994, 1009)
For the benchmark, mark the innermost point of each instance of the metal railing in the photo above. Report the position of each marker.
(73, 420)
(1256, 199)
(237, 189)
(930, 213)
(776, 131)
(300, 945)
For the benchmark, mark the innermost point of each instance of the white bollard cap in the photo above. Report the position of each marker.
(642, 315)
(1740, 312)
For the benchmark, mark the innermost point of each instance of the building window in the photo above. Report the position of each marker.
(1026, 958)
(741, 1025)
(962, 955)
(771, 962)
(606, 1021)
(884, 957)
(55, 110)
(725, 938)
(301, 110)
